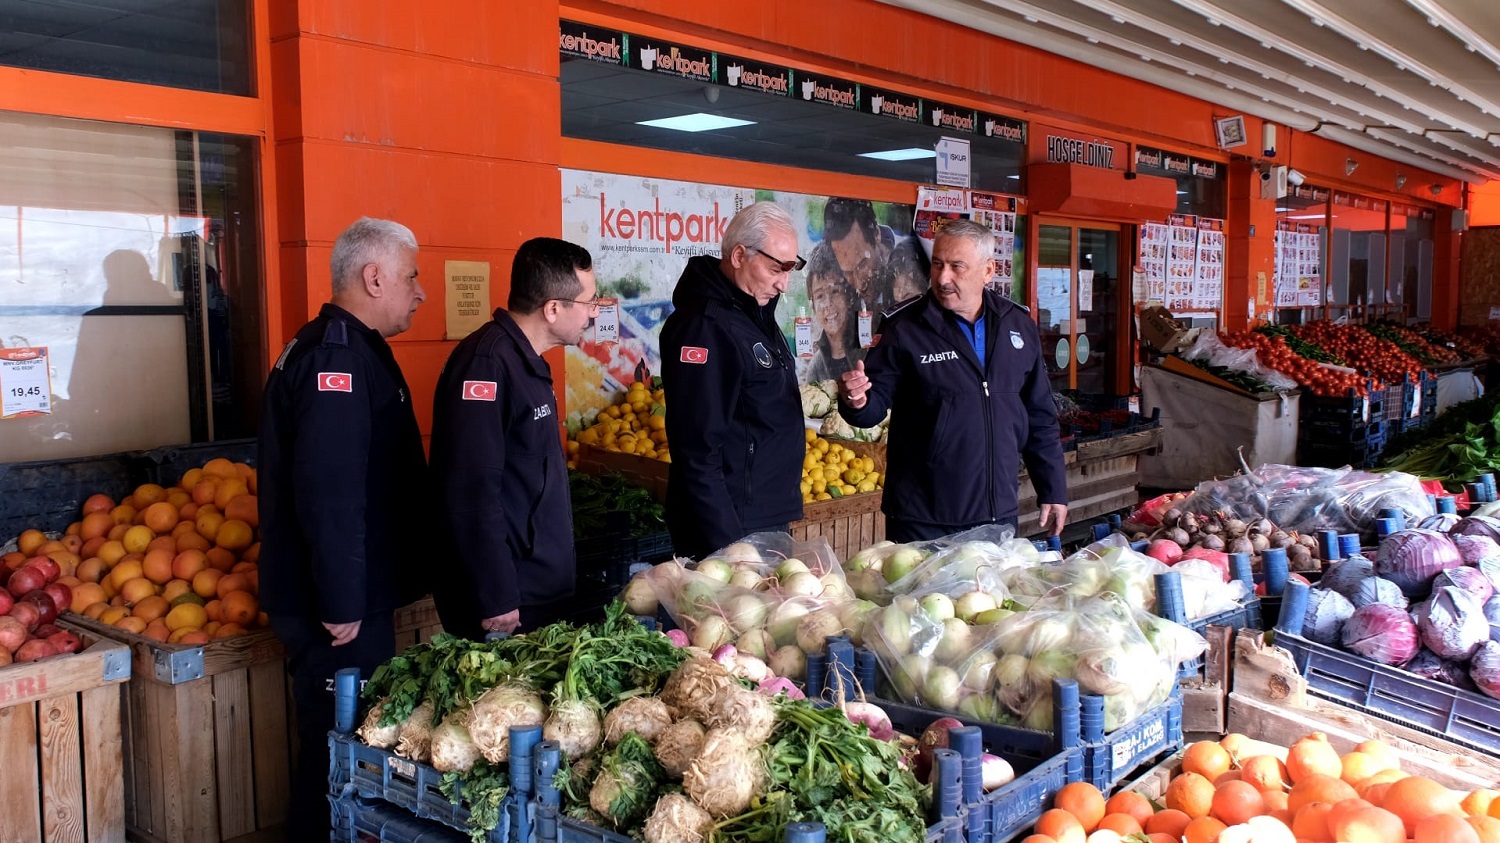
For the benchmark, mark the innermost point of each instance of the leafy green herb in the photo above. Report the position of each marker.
(1304, 348)
(629, 778)
(483, 789)
(610, 503)
(1462, 443)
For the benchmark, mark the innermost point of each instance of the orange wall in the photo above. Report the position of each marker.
(446, 122)
(1484, 204)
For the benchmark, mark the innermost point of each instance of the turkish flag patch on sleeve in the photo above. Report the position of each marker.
(693, 354)
(479, 390)
(335, 382)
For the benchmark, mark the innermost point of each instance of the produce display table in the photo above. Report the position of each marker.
(1209, 426)
(60, 744)
(1102, 476)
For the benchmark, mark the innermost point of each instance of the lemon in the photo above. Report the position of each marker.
(853, 475)
(809, 435)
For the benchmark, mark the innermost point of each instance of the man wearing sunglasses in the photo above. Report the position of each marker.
(497, 456)
(735, 418)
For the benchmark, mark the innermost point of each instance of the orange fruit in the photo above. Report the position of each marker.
(1159, 837)
(1234, 743)
(1477, 803)
(1206, 758)
(1384, 777)
(229, 490)
(189, 511)
(49, 546)
(97, 503)
(175, 588)
(215, 610)
(91, 570)
(1383, 753)
(1236, 802)
(72, 543)
(186, 616)
(90, 548)
(148, 494)
(1037, 838)
(219, 467)
(136, 590)
(1368, 825)
(1445, 828)
(208, 522)
(229, 630)
(1060, 826)
(138, 538)
(157, 566)
(205, 490)
(117, 532)
(1226, 777)
(220, 559)
(190, 540)
(111, 552)
(127, 570)
(244, 508)
(1318, 788)
(206, 583)
(157, 631)
(212, 627)
(86, 595)
(95, 524)
(243, 568)
(230, 583)
(188, 563)
(1488, 829)
(1083, 801)
(1203, 830)
(1132, 803)
(112, 614)
(252, 553)
(167, 543)
(1170, 822)
(1275, 800)
(1415, 798)
(123, 514)
(1121, 824)
(30, 541)
(151, 608)
(178, 498)
(183, 527)
(234, 535)
(1313, 755)
(195, 637)
(1191, 794)
(161, 517)
(131, 624)
(1311, 823)
(1266, 772)
(95, 610)
(190, 478)
(66, 560)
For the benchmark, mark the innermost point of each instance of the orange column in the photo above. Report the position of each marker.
(1446, 252)
(446, 122)
(1251, 250)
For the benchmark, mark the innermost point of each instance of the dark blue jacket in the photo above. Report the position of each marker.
(958, 431)
(502, 478)
(734, 419)
(342, 476)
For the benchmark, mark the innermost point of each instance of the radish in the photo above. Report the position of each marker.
(872, 717)
(996, 772)
(780, 685)
(678, 637)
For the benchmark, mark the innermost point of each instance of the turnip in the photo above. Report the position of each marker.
(867, 559)
(757, 643)
(376, 735)
(941, 688)
(996, 772)
(784, 619)
(575, 725)
(971, 604)
(791, 567)
(699, 598)
(835, 589)
(955, 643)
(676, 819)
(741, 710)
(416, 734)
(726, 775)
(640, 597)
(678, 637)
(692, 686)
(645, 716)
(992, 616)
(938, 606)
(678, 745)
(746, 666)
(872, 717)
(814, 630)
(909, 676)
(900, 563)
(746, 579)
(741, 552)
(1013, 685)
(867, 584)
(715, 569)
(982, 707)
(804, 583)
(979, 671)
(789, 661)
(894, 630)
(711, 633)
(745, 612)
(496, 711)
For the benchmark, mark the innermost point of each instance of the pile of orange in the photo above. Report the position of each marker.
(176, 565)
(1226, 794)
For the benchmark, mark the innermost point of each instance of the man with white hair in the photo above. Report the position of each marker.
(735, 424)
(960, 369)
(342, 479)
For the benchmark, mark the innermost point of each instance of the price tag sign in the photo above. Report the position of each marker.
(25, 383)
(802, 329)
(1416, 400)
(866, 328)
(607, 323)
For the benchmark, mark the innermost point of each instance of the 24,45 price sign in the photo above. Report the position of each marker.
(25, 382)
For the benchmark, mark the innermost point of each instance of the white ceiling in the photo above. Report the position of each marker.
(1416, 81)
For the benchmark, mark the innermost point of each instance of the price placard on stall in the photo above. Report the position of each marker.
(25, 383)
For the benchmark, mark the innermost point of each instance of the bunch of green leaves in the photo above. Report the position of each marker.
(1458, 445)
(599, 504)
(826, 769)
(617, 658)
(636, 776)
(483, 789)
(1304, 348)
(1243, 380)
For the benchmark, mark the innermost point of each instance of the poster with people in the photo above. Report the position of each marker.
(1182, 258)
(1152, 260)
(861, 260)
(1208, 268)
(937, 205)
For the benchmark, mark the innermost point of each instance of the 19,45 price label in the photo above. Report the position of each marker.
(25, 383)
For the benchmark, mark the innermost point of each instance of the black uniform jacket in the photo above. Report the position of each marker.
(498, 462)
(342, 478)
(959, 431)
(735, 420)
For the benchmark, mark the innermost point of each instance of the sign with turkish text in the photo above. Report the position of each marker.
(25, 383)
(467, 302)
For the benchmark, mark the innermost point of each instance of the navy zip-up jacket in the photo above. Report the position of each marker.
(502, 478)
(343, 480)
(958, 431)
(735, 418)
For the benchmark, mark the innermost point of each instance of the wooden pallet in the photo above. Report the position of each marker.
(60, 745)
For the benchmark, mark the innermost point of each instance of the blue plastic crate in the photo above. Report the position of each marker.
(1170, 606)
(1463, 717)
(1112, 758)
(359, 819)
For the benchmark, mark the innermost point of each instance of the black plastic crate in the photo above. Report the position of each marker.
(1347, 430)
(1336, 456)
(171, 462)
(611, 561)
(47, 495)
(1348, 406)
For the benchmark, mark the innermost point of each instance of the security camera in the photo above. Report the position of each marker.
(1295, 177)
(1266, 173)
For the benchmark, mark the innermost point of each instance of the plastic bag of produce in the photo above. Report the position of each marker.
(1204, 591)
(1208, 348)
(1108, 565)
(973, 561)
(1305, 500)
(871, 571)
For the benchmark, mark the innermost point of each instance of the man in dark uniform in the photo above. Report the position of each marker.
(735, 417)
(497, 450)
(341, 468)
(961, 371)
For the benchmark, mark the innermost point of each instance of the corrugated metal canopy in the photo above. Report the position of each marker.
(1416, 81)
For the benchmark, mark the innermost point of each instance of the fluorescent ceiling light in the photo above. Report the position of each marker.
(1182, 193)
(1282, 210)
(1305, 217)
(1017, 176)
(697, 122)
(911, 153)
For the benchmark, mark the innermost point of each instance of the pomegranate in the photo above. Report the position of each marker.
(46, 630)
(28, 614)
(6, 601)
(34, 650)
(46, 609)
(26, 580)
(47, 565)
(61, 595)
(13, 634)
(65, 642)
(5, 657)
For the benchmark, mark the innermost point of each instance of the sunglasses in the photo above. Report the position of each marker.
(785, 266)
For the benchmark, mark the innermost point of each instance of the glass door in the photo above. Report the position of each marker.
(1078, 310)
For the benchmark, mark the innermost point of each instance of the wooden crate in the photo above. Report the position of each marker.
(1101, 478)
(60, 745)
(850, 524)
(648, 474)
(208, 738)
(416, 624)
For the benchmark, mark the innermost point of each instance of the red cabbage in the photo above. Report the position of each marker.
(1477, 525)
(1344, 577)
(1382, 634)
(1411, 558)
(1471, 581)
(1484, 669)
(1442, 522)
(1492, 614)
(1452, 623)
(1429, 665)
(1377, 590)
(1326, 612)
(1476, 548)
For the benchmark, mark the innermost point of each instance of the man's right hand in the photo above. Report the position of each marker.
(505, 623)
(853, 385)
(342, 633)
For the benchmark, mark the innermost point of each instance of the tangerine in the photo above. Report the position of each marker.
(111, 552)
(186, 616)
(95, 610)
(123, 514)
(1191, 794)
(1445, 828)
(229, 630)
(1060, 826)
(231, 583)
(190, 478)
(175, 589)
(113, 614)
(234, 535)
(190, 540)
(161, 517)
(244, 508)
(30, 541)
(138, 539)
(151, 608)
(229, 490)
(1206, 758)
(219, 467)
(1415, 798)
(131, 624)
(206, 583)
(205, 490)
(157, 566)
(149, 493)
(1121, 824)
(1311, 823)
(157, 631)
(1266, 772)
(188, 563)
(215, 611)
(1082, 800)
(1368, 825)
(90, 548)
(1132, 803)
(178, 498)
(195, 637)
(136, 590)
(1313, 755)
(1203, 830)
(95, 524)
(85, 595)
(220, 559)
(1236, 802)
(1170, 821)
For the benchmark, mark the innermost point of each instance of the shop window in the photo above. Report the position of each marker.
(609, 103)
(131, 254)
(203, 45)
(1204, 197)
(1300, 262)
(1357, 253)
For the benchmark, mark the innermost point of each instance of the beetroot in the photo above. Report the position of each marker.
(935, 736)
(1382, 634)
(1411, 558)
(1452, 623)
(1471, 581)
(1484, 669)
(1327, 611)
